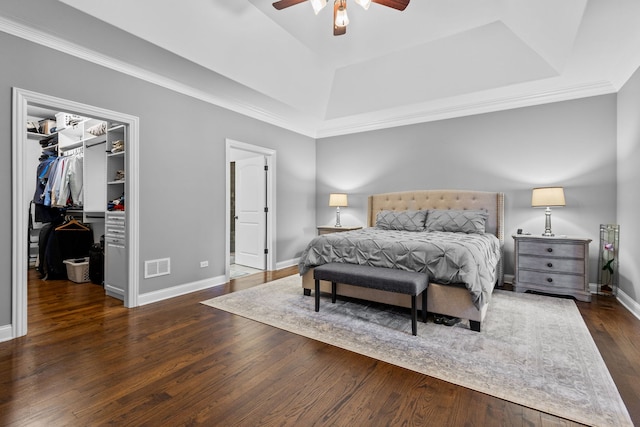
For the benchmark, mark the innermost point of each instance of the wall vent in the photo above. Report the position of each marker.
(157, 267)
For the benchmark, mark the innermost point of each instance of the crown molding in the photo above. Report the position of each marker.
(448, 109)
(296, 121)
(248, 109)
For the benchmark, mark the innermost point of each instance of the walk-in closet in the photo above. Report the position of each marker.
(75, 180)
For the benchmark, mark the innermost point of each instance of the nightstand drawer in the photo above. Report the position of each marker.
(552, 249)
(552, 279)
(550, 264)
(328, 229)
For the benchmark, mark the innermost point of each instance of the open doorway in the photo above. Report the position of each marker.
(251, 207)
(22, 190)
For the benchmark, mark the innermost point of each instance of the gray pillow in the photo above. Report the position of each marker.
(457, 221)
(401, 220)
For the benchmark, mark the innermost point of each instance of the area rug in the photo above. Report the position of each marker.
(533, 350)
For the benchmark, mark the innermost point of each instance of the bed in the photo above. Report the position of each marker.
(394, 239)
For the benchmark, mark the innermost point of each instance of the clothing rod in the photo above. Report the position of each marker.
(97, 143)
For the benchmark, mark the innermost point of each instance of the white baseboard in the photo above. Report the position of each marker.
(288, 263)
(6, 333)
(151, 297)
(624, 299)
(629, 303)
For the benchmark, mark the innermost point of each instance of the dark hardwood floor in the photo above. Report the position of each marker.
(89, 361)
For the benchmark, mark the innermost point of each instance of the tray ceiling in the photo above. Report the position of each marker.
(438, 58)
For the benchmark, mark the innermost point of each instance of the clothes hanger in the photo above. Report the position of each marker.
(72, 224)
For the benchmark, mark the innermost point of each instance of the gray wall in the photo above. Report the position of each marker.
(629, 186)
(572, 144)
(182, 164)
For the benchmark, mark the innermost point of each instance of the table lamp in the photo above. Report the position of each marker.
(546, 197)
(338, 200)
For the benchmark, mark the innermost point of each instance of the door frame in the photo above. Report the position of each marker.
(270, 158)
(19, 242)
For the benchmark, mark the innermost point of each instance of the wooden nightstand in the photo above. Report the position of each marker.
(553, 265)
(326, 229)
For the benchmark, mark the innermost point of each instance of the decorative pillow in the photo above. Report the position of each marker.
(401, 220)
(457, 221)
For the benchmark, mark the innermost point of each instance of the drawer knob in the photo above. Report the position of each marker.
(549, 279)
(549, 249)
(549, 264)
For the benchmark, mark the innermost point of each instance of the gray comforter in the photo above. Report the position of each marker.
(448, 258)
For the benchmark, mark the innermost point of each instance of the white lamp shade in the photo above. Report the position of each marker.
(544, 197)
(318, 5)
(342, 20)
(364, 3)
(338, 200)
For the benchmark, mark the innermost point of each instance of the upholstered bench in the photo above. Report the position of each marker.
(385, 279)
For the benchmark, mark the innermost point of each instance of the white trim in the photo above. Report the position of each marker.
(287, 263)
(508, 279)
(270, 156)
(629, 303)
(419, 113)
(22, 98)
(19, 217)
(51, 41)
(175, 291)
(624, 299)
(6, 333)
(461, 107)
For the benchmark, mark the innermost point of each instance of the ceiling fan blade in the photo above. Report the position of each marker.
(395, 4)
(338, 31)
(286, 3)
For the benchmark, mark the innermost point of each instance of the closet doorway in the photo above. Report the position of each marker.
(23, 190)
(250, 205)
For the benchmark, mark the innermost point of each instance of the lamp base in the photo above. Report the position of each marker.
(547, 223)
(338, 217)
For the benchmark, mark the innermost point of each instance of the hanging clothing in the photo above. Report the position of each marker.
(42, 175)
(43, 211)
(57, 243)
(75, 181)
(65, 182)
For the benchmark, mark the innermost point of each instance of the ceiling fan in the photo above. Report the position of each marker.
(340, 18)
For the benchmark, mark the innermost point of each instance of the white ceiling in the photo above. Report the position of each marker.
(437, 59)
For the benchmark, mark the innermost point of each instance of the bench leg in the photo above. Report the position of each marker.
(424, 306)
(474, 325)
(317, 295)
(333, 292)
(414, 316)
(307, 292)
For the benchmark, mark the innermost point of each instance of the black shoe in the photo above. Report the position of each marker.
(438, 319)
(450, 321)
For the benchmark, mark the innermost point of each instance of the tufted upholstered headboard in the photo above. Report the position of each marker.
(444, 199)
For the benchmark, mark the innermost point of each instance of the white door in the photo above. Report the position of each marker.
(251, 219)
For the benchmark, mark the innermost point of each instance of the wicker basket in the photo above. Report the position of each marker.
(78, 269)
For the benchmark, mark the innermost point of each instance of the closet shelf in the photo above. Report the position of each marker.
(35, 135)
(116, 182)
(119, 153)
(71, 146)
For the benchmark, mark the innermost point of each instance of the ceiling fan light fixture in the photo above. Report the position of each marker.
(318, 5)
(342, 20)
(364, 3)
